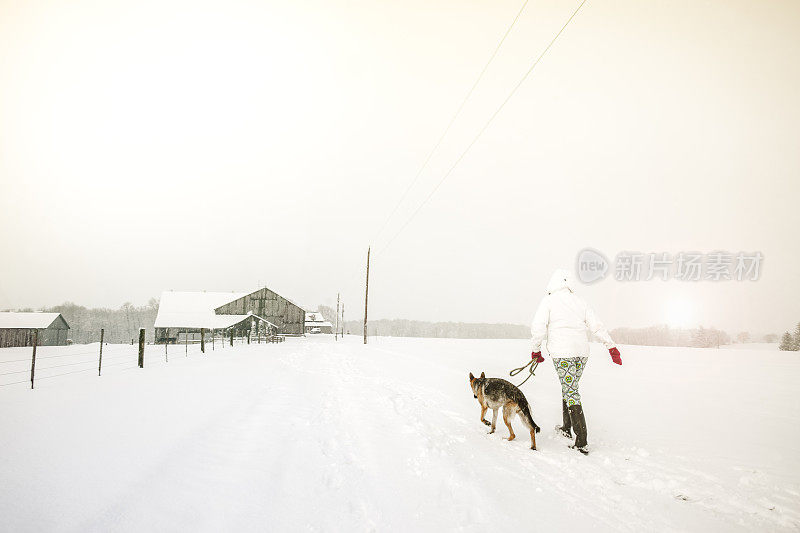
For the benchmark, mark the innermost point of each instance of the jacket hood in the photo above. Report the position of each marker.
(561, 279)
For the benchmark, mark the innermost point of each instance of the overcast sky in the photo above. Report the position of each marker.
(211, 145)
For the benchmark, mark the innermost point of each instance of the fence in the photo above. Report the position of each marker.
(35, 363)
(89, 336)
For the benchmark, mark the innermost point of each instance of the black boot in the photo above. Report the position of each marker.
(579, 423)
(566, 426)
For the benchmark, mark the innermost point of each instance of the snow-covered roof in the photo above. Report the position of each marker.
(315, 319)
(264, 320)
(315, 324)
(220, 321)
(195, 309)
(11, 320)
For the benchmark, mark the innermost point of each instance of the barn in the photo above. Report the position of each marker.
(263, 312)
(16, 329)
(284, 313)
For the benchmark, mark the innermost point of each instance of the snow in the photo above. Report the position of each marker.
(14, 320)
(313, 434)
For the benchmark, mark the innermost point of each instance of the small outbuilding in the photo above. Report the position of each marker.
(16, 329)
(316, 323)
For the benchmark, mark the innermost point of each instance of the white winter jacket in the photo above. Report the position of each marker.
(563, 319)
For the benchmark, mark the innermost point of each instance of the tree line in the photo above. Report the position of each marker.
(421, 328)
(789, 342)
(121, 325)
(663, 335)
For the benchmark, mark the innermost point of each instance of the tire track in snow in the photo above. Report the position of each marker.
(638, 485)
(454, 483)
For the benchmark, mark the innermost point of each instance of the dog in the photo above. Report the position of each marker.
(494, 393)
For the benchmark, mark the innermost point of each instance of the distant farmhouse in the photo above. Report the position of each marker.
(259, 312)
(315, 323)
(16, 329)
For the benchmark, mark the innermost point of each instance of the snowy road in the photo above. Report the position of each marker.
(323, 436)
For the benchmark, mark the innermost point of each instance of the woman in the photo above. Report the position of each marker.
(563, 319)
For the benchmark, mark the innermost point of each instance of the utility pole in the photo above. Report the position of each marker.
(366, 298)
(343, 326)
(35, 341)
(100, 363)
(336, 330)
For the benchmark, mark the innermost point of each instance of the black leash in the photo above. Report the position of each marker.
(533, 363)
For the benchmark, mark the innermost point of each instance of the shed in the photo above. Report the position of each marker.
(16, 329)
(316, 323)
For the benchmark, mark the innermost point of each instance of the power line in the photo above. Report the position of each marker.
(483, 129)
(452, 120)
(455, 116)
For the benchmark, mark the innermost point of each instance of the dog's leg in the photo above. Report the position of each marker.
(494, 420)
(483, 415)
(507, 410)
(533, 439)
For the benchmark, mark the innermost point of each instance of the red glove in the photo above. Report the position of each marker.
(615, 355)
(537, 356)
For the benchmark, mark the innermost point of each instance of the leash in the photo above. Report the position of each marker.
(532, 364)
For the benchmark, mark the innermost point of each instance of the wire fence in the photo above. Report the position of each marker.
(17, 365)
(90, 336)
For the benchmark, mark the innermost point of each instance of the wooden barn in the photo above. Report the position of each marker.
(16, 329)
(262, 312)
(285, 314)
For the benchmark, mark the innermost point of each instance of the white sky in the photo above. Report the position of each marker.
(215, 145)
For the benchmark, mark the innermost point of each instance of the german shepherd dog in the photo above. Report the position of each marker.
(494, 393)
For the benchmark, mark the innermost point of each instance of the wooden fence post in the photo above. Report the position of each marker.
(166, 349)
(100, 364)
(186, 341)
(213, 334)
(248, 336)
(366, 298)
(203, 340)
(33, 357)
(141, 348)
(231, 336)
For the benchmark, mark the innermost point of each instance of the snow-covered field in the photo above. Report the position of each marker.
(316, 435)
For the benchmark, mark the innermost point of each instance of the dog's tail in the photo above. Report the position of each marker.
(527, 419)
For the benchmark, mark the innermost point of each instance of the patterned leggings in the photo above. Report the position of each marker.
(570, 370)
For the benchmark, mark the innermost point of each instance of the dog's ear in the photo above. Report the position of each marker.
(471, 377)
(483, 375)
